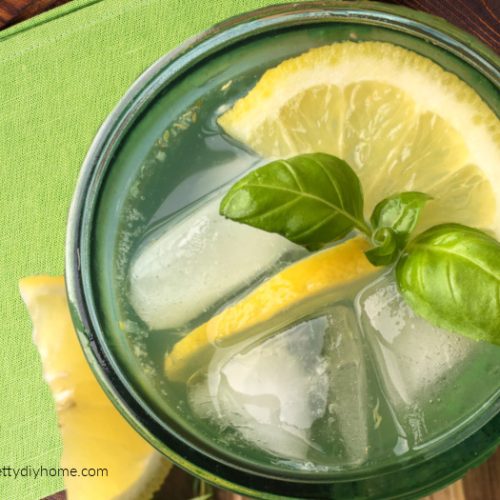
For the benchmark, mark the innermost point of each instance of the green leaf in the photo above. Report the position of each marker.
(311, 199)
(450, 275)
(386, 250)
(393, 220)
(400, 213)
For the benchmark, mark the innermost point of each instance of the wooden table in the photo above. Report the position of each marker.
(480, 17)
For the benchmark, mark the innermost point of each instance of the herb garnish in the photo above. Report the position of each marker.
(449, 275)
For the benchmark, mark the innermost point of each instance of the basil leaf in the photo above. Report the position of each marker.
(399, 213)
(311, 199)
(386, 250)
(450, 275)
(393, 219)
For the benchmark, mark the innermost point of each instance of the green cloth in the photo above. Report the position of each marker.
(61, 73)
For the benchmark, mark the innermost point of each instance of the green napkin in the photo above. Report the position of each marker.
(61, 73)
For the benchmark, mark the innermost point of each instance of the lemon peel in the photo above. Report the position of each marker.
(94, 433)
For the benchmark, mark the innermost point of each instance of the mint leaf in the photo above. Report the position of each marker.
(400, 213)
(386, 250)
(311, 199)
(450, 275)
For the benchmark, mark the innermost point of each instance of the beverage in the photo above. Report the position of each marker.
(347, 383)
(361, 379)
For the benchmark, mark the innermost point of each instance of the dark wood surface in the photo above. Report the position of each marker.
(15, 11)
(479, 17)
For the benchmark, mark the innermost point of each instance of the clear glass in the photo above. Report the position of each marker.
(142, 168)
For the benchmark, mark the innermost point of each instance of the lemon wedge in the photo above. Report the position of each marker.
(94, 433)
(400, 120)
(322, 273)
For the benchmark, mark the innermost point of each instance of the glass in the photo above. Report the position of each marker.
(139, 157)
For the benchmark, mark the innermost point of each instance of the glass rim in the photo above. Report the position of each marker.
(162, 73)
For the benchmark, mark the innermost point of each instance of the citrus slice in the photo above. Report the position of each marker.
(400, 120)
(323, 273)
(94, 433)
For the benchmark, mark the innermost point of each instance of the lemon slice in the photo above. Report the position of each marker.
(94, 434)
(400, 120)
(322, 273)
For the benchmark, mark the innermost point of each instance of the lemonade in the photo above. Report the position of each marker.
(283, 360)
(337, 378)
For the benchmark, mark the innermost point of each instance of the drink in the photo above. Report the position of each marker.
(347, 386)
(362, 379)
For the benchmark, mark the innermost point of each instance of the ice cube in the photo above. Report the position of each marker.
(195, 261)
(433, 379)
(300, 394)
(284, 379)
(411, 352)
(270, 392)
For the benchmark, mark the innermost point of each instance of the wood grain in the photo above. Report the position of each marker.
(479, 17)
(15, 11)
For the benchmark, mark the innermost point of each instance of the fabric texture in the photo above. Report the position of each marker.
(61, 73)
